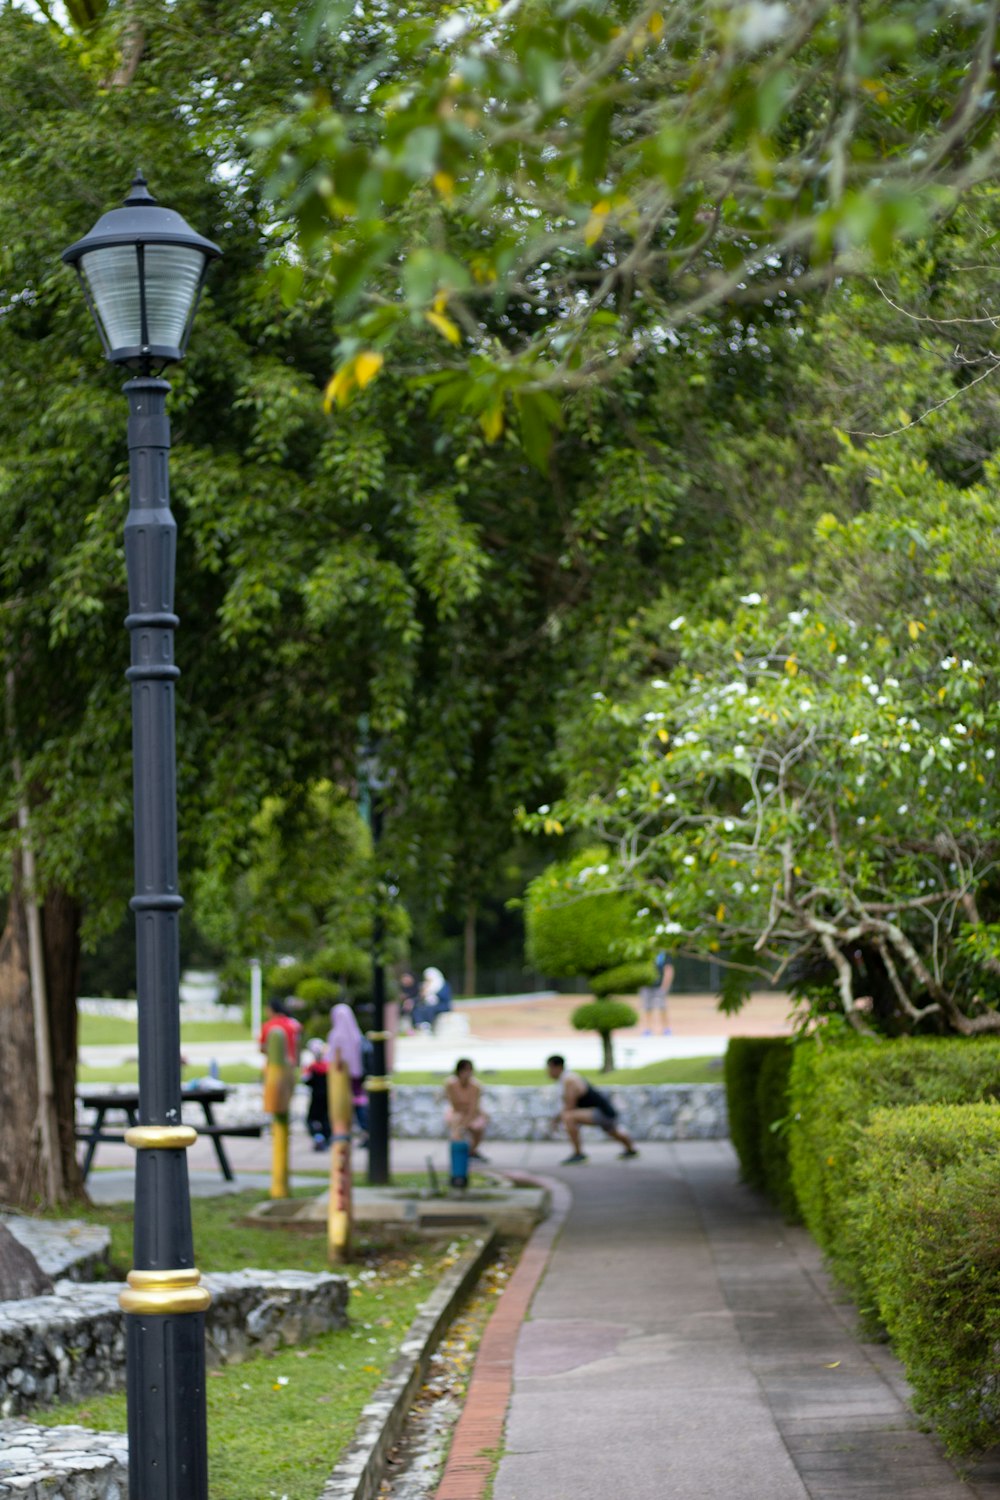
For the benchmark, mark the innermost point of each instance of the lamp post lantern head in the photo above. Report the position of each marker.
(142, 268)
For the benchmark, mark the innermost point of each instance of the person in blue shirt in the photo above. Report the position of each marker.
(654, 996)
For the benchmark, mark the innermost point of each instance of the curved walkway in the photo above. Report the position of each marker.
(684, 1344)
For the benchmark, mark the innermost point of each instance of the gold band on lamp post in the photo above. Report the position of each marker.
(378, 1085)
(379, 1036)
(164, 1292)
(161, 1137)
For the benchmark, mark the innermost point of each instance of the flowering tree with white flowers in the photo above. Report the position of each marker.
(812, 793)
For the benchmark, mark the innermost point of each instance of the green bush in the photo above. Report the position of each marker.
(318, 991)
(284, 979)
(928, 1210)
(835, 1089)
(756, 1077)
(623, 979)
(572, 926)
(772, 1115)
(741, 1069)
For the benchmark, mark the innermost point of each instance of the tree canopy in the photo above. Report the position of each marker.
(549, 192)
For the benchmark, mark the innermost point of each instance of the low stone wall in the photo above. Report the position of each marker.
(68, 1248)
(62, 1463)
(649, 1112)
(654, 1112)
(71, 1344)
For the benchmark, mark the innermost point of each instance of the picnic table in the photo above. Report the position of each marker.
(105, 1101)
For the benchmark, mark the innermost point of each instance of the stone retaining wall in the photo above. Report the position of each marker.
(654, 1112)
(71, 1344)
(68, 1248)
(62, 1463)
(649, 1112)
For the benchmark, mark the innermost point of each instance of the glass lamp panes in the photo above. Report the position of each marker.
(112, 278)
(172, 277)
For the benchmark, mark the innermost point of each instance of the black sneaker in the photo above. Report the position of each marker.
(624, 1155)
(571, 1161)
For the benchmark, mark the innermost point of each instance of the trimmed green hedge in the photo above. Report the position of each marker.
(772, 1113)
(834, 1091)
(756, 1076)
(927, 1210)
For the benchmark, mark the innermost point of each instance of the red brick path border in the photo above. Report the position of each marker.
(479, 1433)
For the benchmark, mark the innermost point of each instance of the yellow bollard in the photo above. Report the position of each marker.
(338, 1223)
(279, 1084)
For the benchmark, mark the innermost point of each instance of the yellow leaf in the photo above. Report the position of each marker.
(941, 694)
(914, 628)
(661, 734)
(595, 225)
(738, 655)
(444, 326)
(791, 666)
(835, 1365)
(656, 25)
(491, 420)
(654, 788)
(445, 185)
(338, 387)
(366, 366)
(720, 913)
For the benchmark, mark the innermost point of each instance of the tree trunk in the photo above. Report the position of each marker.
(61, 942)
(471, 912)
(22, 1180)
(23, 1172)
(20, 1273)
(608, 1064)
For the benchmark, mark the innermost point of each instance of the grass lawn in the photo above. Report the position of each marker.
(109, 1031)
(129, 1073)
(668, 1070)
(277, 1423)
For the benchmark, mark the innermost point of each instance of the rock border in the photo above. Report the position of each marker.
(361, 1466)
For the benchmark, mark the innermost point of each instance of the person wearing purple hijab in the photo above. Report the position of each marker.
(344, 1044)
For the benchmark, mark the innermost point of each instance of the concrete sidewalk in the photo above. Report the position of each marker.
(684, 1344)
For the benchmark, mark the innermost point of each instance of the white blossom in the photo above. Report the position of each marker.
(750, 599)
(959, 729)
(990, 754)
(678, 622)
(842, 660)
(796, 616)
(670, 799)
(688, 859)
(659, 683)
(903, 808)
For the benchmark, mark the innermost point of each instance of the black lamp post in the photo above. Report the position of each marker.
(142, 269)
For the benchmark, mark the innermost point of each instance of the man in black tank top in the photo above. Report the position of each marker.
(582, 1104)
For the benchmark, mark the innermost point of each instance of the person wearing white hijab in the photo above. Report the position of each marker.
(435, 997)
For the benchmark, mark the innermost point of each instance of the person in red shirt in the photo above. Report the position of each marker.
(279, 1017)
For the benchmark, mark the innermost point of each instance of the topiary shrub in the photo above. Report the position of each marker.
(572, 926)
(604, 1017)
(743, 1061)
(624, 979)
(834, 1090)
(927, 1207)
(318, 991)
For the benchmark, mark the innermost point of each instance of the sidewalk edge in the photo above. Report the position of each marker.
(479, 1432)
(360, 1467)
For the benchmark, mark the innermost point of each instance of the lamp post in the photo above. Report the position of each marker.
(142, 269)
(378, 1086)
